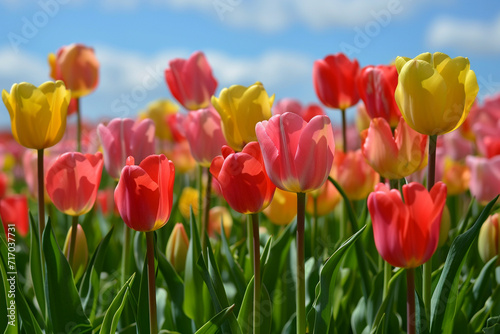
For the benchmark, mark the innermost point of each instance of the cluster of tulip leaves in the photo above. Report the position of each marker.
(215, 294)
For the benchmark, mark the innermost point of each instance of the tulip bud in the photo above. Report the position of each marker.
(81, 254)
(489, 239)
(177, 247)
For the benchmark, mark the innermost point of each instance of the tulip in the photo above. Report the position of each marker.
(283, 207)
(327, 197)
(394, 157)
(240, 108)
(216, 215)
(407, 233)
(435, 93)
(181, 156)
(106, 202)
(489, 239)
(334, 80)
(298, 155)
(191, 81)
(189, 199)
(177, 248)
(144, 193)
(14, 210)
(376, 86)
(456, 175)
(362, 120)
(484, 177)
(204, 134)
(243, 173)
(356, 177)
(81, 252)
(122, 138)
(159, 111)
(294, 106)
(77, 66)
(37, 114)
(4, 183)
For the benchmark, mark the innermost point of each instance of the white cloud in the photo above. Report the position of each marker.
(468, 36)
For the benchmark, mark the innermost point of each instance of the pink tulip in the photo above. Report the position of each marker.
(356, 177)
(294, 106)
(191, 81)
(122, 138)
(298, 155)
(394, 157)
(484, 178)
(204, 133)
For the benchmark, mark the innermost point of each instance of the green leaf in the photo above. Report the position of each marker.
(445, 295)
(35, 259)
(114, 311)
(328, 274)
(478, 320)
(482, 286)
(492, 326)
(30, 324)
(213, 325)
(65, 309)
(245, 317)
(421, 323)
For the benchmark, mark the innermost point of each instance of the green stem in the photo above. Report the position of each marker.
(314, 230)
(151, 282)
(256, 273)
(344, 131)
(206, 210)
(41, 195)
(200, 198)
(387, 278)
(125, 253)
(410, 300)
(249, 241)
(74, 229)
(78, 126)
(301, 285)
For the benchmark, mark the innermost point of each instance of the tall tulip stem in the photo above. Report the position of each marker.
(41, 193)
(301, 285)
(74, 229)
(151, 282)
(78, 126)
(427, 267)
(314, 229)
(125, 253)
(256, 273)
(344, 131)
(410, 300)
(206, 210)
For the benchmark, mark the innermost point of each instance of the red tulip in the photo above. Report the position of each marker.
(356, 177)
(376, 87)
(72, 182)
(298, 155)
(407, 233)
(243, 178)
(204, 134)
(4, 183)
(335, 79)
(78, 67)
(144, 193)
(106, 201)
(14, 210)
(191, 81)
(124, 137)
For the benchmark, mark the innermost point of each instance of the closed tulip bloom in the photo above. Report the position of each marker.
(240, 108)
(376, 86)
(14, 210)
(484, 177)
(334, 80)
(283, 207)
(204, 134)
(243, 179)
(72, 182)
(77, 66)
(298, 154)
(489, 239)
(37, 114)
(81, 255)
(356, 177)
(407, 233)
(123, 137)
(144, 193)
(394, 157)
(191, 81)
(435, 93)
(159, 112)
(177, 248)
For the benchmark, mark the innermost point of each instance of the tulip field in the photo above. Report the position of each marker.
(232, 210)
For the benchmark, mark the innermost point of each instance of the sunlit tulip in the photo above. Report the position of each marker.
(215, 216)
(376, 86)
(327, 197)
(177, 248)
(123, 137)
(204, 133)
(283, 207)
(456, 175)
(243, 178)
(356, 177)
(81, 254)
(180, 154)
(72, 182)
(159, 111)
(407, 233)
(489, 239)
(14, 210)
(294, 106)
(484, 177)
(144, 193)
(362, 120)
(240, 108)
(334, 80)
(191, 81)
(298, 154)
(435, 92)
(394, 156)
(37, 114)
(189, 200)
(77, 66)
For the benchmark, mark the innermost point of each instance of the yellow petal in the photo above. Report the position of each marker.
(400, 62)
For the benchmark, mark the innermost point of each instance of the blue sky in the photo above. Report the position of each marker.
(272, 41)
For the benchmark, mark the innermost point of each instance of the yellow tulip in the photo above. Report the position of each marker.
(489, 238)
(283, 207)
(37, 114)
(240, 109)
(435, 92)
(189, 199)
(159, 111)
(177, 248)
